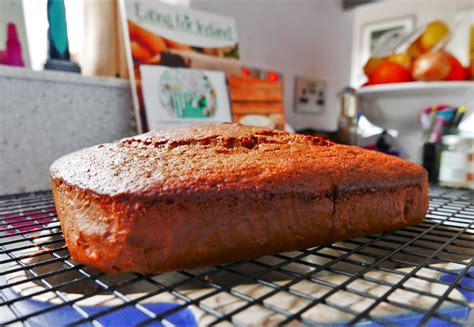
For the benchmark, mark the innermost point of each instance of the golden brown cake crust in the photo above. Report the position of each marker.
(201, 195)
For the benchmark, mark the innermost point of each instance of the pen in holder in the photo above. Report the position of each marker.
(444, 151)
(430, 160)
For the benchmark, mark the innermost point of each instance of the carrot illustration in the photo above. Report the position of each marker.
(152, 42)
(178, 46)
(139, 52)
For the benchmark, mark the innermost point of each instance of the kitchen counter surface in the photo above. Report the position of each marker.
(61, 77)
(46, 114)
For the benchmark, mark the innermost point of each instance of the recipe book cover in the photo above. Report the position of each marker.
(173, 36)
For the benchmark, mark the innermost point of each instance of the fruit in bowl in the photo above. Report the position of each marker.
(434, 33)
(389, 72)
(424, 59)
(432, 66)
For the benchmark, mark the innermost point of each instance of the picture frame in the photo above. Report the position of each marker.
(181, 96)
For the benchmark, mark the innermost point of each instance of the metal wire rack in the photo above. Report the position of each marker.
(420, 275)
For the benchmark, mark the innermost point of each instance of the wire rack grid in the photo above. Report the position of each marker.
(420, 275)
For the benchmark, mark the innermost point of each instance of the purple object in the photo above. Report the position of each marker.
(437, 132)
(13, 55)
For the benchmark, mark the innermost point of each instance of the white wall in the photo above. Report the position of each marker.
(310, 38)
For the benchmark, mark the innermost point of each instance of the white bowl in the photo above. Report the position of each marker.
(397, 105)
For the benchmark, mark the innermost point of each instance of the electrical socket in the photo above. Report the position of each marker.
(309, 95)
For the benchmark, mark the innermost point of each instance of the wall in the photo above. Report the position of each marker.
(310, 38)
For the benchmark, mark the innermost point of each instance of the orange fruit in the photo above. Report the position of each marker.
(390, 72)
(372, 65)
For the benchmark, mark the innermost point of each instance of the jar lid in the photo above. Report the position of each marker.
(457, 140)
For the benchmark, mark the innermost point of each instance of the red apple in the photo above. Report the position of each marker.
(389, 72)
(457, 72)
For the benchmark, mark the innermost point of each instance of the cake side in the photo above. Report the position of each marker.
(169, 235)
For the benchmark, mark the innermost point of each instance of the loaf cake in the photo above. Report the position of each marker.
(202, 195)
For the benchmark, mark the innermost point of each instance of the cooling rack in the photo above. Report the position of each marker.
(420, 275)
